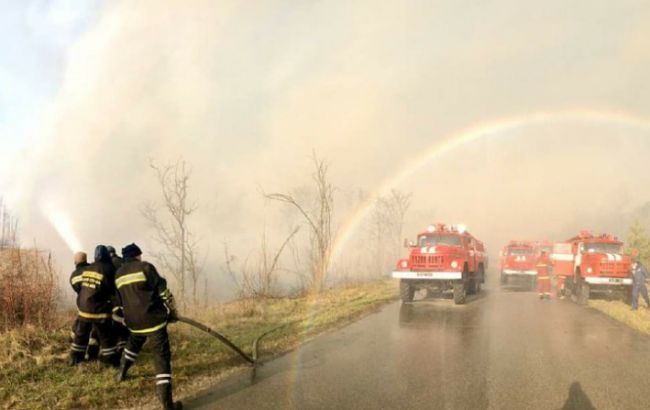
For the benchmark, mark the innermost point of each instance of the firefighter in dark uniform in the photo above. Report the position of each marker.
(639, 276)
(80, 262)
(115, 258)
(148, 307)
(95, 287)
(120, 330)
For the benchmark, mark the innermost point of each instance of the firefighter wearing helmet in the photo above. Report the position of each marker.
(544, 268)
(95, 288)
(120, 330)
(148, 307)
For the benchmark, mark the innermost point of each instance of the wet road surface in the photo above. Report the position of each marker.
(502, 350)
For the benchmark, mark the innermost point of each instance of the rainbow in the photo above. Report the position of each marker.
(449, 143)
(468, 135)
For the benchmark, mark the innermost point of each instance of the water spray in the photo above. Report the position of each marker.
(63, 226)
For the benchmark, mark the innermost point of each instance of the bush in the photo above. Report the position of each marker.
(28, 288)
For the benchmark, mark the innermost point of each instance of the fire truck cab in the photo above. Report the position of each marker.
(599, 266)
(518, 260)
(443, 258)
(543, 246)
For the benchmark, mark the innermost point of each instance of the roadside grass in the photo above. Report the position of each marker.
(33, 363)
(636, 319)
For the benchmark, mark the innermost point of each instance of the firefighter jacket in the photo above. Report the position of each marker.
(143, 295)
(117, 261)
(95, 287)
(544, 267)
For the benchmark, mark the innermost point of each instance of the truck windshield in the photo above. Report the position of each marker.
(520, 251)
(602, 247)
(435, 240)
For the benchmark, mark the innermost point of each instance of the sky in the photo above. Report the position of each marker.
(34, 39)
(91, 92)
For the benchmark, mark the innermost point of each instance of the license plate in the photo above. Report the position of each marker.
(611, 280)
(424, 274)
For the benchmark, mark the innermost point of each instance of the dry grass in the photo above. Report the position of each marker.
(27, 289)
(34, 373)
(636, 319)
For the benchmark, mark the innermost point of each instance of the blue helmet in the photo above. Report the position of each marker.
(101, 254)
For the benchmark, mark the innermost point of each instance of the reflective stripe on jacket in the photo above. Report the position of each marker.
(95, 287)
(142, 293)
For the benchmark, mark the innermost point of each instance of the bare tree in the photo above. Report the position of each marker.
(8, 228)
(397, 205)
(318, 217)
(179, 251)
(257, 278)
(386, 228)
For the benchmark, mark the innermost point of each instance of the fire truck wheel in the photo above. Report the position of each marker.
(406, 291)
(459, 293)
(583, 294)
(471, 286)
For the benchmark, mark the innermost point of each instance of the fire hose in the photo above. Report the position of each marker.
(223, 339)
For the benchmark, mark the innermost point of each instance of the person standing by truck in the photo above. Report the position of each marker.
(639, 276)
(544, 276)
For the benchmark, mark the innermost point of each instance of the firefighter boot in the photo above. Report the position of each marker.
(76, 358)
(92, 353)
(124, 368)
(165, 395)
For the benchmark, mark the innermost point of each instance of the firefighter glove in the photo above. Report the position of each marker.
(171, 307)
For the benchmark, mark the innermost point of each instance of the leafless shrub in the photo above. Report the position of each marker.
(257, 277)
(318, 217)
(179, 248)
(28, 288)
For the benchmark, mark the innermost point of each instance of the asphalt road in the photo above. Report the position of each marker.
(502, 350)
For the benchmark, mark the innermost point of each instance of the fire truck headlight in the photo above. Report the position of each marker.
(589, 270)
(454, 264)
(404, 264)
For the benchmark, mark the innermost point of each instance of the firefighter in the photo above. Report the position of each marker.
(115, 258)
(95, 287)
(80, 262)
(119, 328)
(148, 308)
(639, 276)
(544, 276)
(92, 351)
(120, 331)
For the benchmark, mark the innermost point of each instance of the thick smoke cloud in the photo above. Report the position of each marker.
(246, 92)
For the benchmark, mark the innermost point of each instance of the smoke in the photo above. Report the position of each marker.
(245, 94)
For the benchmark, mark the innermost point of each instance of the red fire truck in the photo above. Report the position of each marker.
(444, 258)
(543, 246)
(518, 260)
(596, 264)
